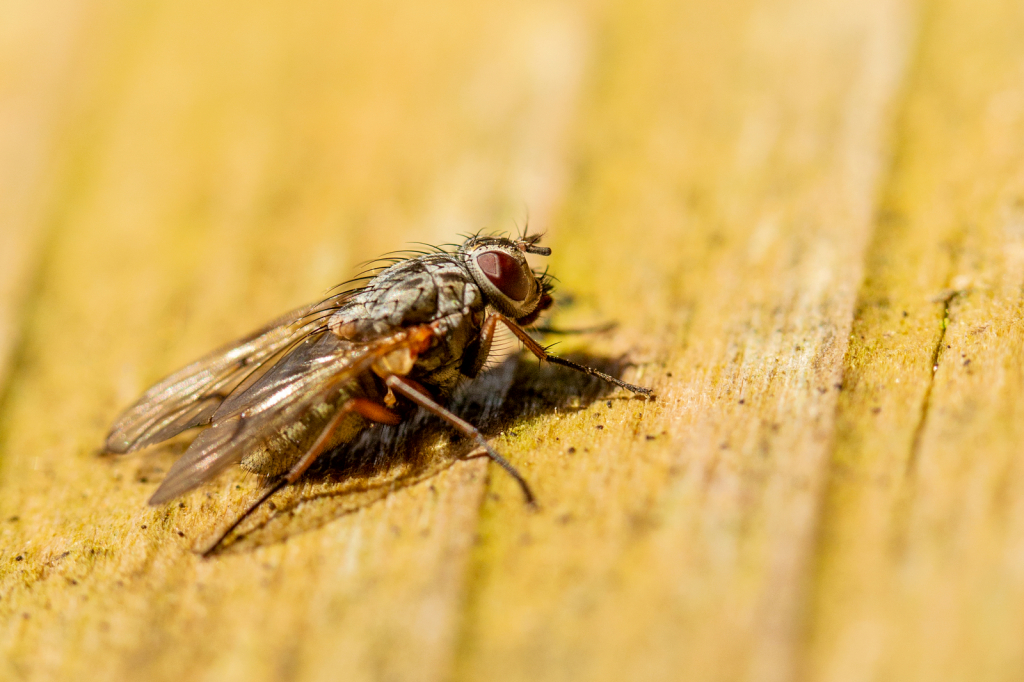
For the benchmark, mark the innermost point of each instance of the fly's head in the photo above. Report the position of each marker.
(499, 267)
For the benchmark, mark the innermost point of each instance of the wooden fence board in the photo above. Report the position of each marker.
(37, 45)
(235, 160)
(748, 138)
(916, 578)
(807, 218)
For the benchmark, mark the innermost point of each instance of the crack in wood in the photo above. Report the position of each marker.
(915, 443)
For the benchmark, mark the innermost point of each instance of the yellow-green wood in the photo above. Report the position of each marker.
(751, 138)
(918, 574)
(36, 40)
(227, 162)
(807, 217)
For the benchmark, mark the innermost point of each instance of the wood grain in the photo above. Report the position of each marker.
(37, 46)
(689, 552)
(807, 218)
(915, 577)
(244, 159)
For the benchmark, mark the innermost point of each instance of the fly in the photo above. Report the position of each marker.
(311, 380)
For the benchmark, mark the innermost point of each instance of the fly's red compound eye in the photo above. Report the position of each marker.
(505, 273)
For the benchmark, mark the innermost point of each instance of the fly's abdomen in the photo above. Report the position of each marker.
(282, 450)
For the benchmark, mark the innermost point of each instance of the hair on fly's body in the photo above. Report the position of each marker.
(405, 333)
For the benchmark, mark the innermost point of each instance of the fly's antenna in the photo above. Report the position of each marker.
(528, 244)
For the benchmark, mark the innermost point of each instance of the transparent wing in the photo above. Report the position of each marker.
(189, 397)
(311, 373)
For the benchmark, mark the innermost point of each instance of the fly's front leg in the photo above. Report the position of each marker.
(414, 392)
(542, 354)
(476, 355)
(596, 329)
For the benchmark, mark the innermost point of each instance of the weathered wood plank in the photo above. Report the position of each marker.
(721, 209)
(828, 486)
(237, 159)
(37, 44)
(919, 575)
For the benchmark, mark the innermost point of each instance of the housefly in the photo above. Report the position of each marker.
(310, 381)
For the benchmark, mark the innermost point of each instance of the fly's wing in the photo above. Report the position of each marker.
(189, 397)
(310, 373)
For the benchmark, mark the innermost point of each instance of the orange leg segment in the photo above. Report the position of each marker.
(367, 408)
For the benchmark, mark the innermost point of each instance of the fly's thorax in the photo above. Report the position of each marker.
(440, 366)
(437, 290)
(451, 292)
(419, 291)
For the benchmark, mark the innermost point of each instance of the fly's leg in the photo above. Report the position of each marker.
(367, 408)
(416, 394)
(596, 329)
(542, 354)
(207, 548)
(362, 406)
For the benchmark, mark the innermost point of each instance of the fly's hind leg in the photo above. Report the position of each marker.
(367, 408)
(411, 390)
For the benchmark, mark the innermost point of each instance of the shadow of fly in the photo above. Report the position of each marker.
(310, 381)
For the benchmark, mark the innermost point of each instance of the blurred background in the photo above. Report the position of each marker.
(273, 145)
(805, 215)
(269, 146)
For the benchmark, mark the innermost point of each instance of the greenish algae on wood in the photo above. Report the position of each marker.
(245, 158)
(37, 44)
(918, 572)
(689, 552)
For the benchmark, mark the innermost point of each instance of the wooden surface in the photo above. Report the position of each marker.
(807, 217)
